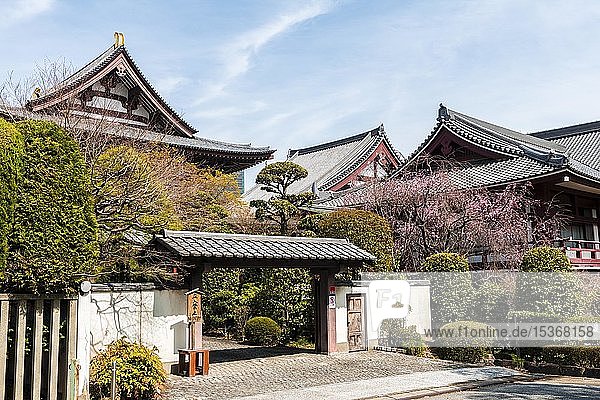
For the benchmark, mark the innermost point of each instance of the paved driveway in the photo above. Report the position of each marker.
(238, 370)
(555, 388)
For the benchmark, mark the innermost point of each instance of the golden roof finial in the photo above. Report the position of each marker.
(119, 39)
(37, 92)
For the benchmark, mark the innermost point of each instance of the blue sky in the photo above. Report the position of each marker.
(298, 73)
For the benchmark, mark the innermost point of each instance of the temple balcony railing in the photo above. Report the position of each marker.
(583, 254)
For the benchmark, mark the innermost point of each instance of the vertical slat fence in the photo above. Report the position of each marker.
(24, 341)
(4, 305)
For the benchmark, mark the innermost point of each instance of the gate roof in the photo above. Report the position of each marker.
(222, 249)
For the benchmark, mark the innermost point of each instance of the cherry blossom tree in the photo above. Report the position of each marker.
(429, 213)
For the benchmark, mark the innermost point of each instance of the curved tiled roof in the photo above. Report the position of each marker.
(489, 136)
(330, 163)
(502, 172)
(584, 147)
(196, 143)
(94, 67)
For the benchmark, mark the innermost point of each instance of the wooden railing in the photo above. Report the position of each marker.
(38, 338)
(583, 254)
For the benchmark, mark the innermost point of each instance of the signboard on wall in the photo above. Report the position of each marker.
(194, 306)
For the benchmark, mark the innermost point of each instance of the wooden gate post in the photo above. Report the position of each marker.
(326, 309)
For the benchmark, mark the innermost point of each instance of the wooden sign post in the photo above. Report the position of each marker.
(194, 315)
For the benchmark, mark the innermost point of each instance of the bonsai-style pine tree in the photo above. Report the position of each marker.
(277, 178)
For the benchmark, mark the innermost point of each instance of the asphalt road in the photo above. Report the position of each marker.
(567, 388)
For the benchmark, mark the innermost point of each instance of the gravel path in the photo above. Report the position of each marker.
(238, 370)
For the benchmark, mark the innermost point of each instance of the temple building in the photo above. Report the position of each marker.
(340, 165)
(111, 88)
(562, 165)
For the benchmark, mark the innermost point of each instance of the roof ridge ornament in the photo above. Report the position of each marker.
(443, 112)
(119, 39)
(37, 93)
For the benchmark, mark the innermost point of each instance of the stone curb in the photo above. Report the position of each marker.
(455, 387)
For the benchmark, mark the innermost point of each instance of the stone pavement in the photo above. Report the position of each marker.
(239, 371)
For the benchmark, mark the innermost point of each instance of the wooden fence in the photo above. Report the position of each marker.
(38, 339)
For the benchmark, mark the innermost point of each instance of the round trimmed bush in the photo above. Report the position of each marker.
(262, 331)
(464, 349)
(545, 259)
(446, 262)
(547, 284)
(140, 373)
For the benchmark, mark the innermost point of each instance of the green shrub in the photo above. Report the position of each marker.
(53, 242)
(547, 284)
(462, 349)
(492, 302)
(579, 356)
(451, 288)
(545, 259)
(11, 153)
(140, 373)
(262, 331)
(365, 229)
(393, 333)
(446, 262)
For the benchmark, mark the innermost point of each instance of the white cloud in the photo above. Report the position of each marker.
(237, 55)
(169, 84)
(16, 11)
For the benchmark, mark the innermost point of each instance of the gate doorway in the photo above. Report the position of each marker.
(324, 257)
(357, 322)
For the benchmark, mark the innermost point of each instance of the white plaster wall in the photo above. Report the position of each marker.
(152, 317)
(120, 89)
(107, 104)
(141, 111)
(419, 311)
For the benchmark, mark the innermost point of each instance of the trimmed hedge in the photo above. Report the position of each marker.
(393, 333)
(365, 229)
(53, 241)
(11, 153)
(140, 373)
(548, 285)
(579, 356)
(451, 287)
(262, 331)
(470, 350)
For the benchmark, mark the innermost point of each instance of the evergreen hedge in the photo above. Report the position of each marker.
(365, 229)
(53, 241)
(11, 152)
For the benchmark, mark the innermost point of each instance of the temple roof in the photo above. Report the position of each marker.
(495, 138)
(113, 86)
(574, 149)
(106, 62)
(332, 163)
(562, 154)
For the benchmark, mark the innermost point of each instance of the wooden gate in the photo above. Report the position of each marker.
(38, 337)
(357, 335)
